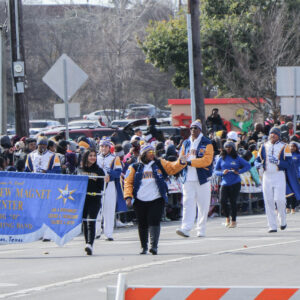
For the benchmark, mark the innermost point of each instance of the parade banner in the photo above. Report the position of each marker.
(34, 206)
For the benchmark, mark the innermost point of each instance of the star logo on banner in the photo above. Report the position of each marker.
(65, 194)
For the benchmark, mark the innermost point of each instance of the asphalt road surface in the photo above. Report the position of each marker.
(244, 256)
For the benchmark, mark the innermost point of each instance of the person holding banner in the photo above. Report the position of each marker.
(92, 203)
(145, 182)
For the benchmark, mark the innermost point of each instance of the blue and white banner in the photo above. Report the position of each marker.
(35, 205)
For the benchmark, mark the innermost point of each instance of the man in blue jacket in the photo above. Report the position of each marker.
(196, 175)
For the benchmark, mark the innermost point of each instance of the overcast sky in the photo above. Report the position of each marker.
(94, 2)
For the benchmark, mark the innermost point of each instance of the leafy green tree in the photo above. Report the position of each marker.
(242, 43)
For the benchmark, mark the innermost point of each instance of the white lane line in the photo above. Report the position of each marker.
(11, 251)
(134, 268)
(2, 284)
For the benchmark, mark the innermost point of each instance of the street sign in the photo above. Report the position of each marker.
(74, 110)
(54, 78)
(65, 78)
(288, 85)
(288, 106)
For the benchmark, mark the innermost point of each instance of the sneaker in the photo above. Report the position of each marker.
(272, 230)
(120, 224)
(88, 249)
(200, 235)
(109, 239)
(283, 227)
(153, 251)
(232, 224)
(182, 233)
(144, 251)
(46, 240)
(227, 222)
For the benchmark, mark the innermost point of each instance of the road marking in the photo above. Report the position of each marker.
(134, 268)
(2, 284)
(11, 251)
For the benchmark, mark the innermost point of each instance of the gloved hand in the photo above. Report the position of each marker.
(273, 160)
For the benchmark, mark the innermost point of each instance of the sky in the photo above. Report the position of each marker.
(93, 2)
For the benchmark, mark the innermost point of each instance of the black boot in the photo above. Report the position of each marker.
(154, 237)
(143, 233)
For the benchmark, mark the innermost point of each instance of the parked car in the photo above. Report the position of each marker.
(168, 131)
(107, 115)
(74, 133)
(84, 123)
(123, 123)
(141, 112)
(36, 126)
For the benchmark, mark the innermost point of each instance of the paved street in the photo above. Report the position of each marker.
(244, 256)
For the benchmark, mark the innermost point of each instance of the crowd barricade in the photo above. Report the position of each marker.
(250, 194)
(125, 292)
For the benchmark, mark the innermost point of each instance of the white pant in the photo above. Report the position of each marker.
(194, 195)
(109, 208)
(274, 187)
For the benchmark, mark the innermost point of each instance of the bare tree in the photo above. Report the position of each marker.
(254, 73)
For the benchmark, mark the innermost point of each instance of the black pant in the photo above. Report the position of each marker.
(149, 213)
(291, 202)
(90, 211)
(229, 197)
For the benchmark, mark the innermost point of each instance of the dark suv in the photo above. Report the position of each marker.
(118, 137)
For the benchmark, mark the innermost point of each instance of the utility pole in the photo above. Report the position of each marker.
(195, 62)
(3, 98)
(18, 67)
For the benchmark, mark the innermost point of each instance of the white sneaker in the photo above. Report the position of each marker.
(182, 232)
(88, 249)
(119, 224)
(200, 234)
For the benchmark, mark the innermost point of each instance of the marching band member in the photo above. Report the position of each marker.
(145, 183)
(42, 160)
(113, 198)
(196, 176)
(276, 159)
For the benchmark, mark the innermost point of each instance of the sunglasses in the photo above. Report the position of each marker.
(194, 128)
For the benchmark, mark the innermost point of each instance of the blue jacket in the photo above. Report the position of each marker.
(296, 162)
(115, 176)
(230, 163)
(203, 161)
(159, 175)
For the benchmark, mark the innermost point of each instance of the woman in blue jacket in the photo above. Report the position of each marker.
(229, 166)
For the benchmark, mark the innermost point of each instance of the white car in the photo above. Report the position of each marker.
(107, 115)
(36, 126)
(84, 124)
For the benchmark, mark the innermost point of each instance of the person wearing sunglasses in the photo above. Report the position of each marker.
(196, 184)
(145, 183)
